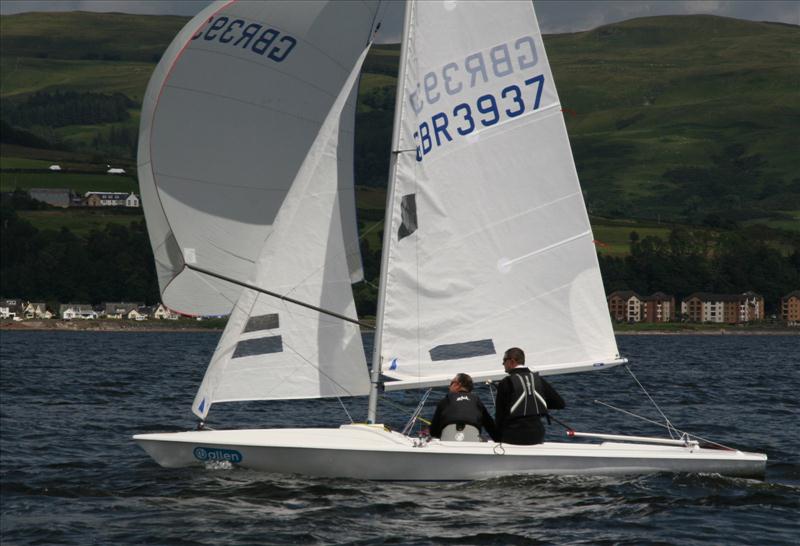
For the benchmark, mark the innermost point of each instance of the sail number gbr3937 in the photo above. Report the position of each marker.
(477, 69)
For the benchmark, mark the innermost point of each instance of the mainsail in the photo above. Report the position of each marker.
(229, 116)
(489, 244)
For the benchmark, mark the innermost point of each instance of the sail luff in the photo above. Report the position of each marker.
(372, 408)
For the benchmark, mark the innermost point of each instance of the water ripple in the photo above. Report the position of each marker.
(70, 473)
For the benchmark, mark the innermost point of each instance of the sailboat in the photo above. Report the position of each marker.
(245, 163)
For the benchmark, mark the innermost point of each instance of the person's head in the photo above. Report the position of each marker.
(513, 357)
(461, 383)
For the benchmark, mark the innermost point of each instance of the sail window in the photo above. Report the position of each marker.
(467, 349)
(260, 346)
(408, 214)
(262, 322)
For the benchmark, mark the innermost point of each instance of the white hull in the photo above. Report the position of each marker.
(372, 453)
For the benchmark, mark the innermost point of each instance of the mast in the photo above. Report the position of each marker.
(372, 409)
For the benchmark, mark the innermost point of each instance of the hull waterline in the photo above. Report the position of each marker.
(372, 453)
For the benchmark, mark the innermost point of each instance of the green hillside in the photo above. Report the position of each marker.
(690, 119)
(79, 35)
(684, 132)
(684, 116)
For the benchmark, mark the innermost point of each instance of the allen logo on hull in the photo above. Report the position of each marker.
(217, 454)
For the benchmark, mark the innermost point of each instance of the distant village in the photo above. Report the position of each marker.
(700, 307)
(18, 310)
(67, 198)
(624, 306)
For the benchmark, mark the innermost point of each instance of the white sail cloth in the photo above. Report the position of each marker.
(490, 243)
(229, 116)
(273, 349)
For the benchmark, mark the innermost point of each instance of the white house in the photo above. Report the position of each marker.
(55, 167)
(121, 309)
(137, 314)
(36, 311)
(11, 309)
(69, 311)
(163, 312)
(111, 199)
(132, 201)
(115, 170)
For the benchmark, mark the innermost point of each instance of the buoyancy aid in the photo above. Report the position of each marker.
(463, 408)
(527, 400)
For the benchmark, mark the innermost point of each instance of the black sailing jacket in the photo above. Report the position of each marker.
(462, 407)
(519, 409)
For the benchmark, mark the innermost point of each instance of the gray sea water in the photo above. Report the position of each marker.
(70, 474)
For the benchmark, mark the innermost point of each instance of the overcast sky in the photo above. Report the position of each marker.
(554, 15)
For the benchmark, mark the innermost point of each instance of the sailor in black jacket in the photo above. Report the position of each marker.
(461, 406)
(523, 398)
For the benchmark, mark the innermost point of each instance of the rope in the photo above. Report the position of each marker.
(669, 426)
(680, 432)
(560, 422)
(415, 416)
(345, 410)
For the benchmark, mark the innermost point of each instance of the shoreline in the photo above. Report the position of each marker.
(110, 325)
(113, 325)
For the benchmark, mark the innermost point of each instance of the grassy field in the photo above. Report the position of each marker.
(80, 183)
(22, 76)
(24, 163)
(79, 221)
(370, 198)
(15, 157)
(790, 223)
(615, 240)
(367, 82)
(124, 37)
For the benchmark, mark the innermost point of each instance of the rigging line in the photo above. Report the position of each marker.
(670, 426)
(345, 409)
(415, 416)
(279, 296)
(682, 433)
(560, 422)
(404, 410)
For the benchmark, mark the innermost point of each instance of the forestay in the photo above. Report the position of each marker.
(489, 243)
(229, 116)
(273, 349)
